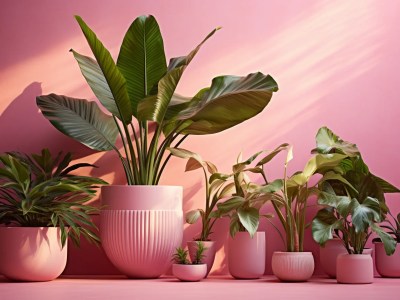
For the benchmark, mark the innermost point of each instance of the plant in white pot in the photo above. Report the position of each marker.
(388, 266)
(217, 187)
(289, 197)
(185, 270)
(139, 93)
(41, 205)
(353, 180)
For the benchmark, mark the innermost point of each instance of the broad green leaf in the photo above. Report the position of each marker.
(388, 241)
(334, 176)
(219, 176)
(385, 186)
(272, 187)
(167, 86)
(341, 203)
(234, 225)
(80, 119)
(228, 190)
(142, 59)
(239, 167)
(249, 217)
(231, 204)
(328, 142)
(297, 179)
(97, 81)
(323, 225)
(194, 160)
(112, 75)
(272, 154)
(364, 214)
(229, 101)
(320, 161)
(193, 215)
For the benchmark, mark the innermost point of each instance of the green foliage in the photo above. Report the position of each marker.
(353, 198)
(181, 256)
(142, 86)
(199, 255)
(392, 227)
(38, 190)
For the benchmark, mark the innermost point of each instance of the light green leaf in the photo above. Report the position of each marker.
(320, 161)
(327, 142)
(112, 75)
(272, 187)
(80, 119)
(141, 59)
(234, 226)
(230, 204)
(193, 215)
(249, 217)
(388, 241)
(272, 154)
(365, 213)
(334, 176)
(239, 167)
(323, 225)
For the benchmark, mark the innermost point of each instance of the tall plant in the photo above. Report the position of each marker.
(141, 86)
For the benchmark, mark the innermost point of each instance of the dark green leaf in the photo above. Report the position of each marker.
(249, 217)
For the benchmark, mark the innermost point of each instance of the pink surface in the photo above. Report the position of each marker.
(336, 63)
(268, 287)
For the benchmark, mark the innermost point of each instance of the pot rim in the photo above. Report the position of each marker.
(293, 253)
(141, 186)
(30, 227)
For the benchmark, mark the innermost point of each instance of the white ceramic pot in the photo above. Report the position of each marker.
(32, 253)
(140, 227)
(293, 266)
(246, 255)
(189, 272)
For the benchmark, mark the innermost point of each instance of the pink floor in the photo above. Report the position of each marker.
(101, 287)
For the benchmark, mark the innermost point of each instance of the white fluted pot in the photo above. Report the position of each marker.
(293, 266)
(140, 227)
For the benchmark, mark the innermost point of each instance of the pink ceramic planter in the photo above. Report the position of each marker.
(31, 253)
(140, 227)
(387, 266)
(329, 254)
(246, 255)
(355, 268)
(209, 253)
(189, 272)
(293, 266)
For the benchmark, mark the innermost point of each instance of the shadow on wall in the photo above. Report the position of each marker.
(24, 129)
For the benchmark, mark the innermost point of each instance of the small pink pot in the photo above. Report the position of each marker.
(246, 255)
(328, 255)
(189, 272)
(209, 253)
(354, 268)
(31, 253)
(140, 227)
(293, 266)
(387, 266)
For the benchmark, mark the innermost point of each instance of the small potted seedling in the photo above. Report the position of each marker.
(185, 270)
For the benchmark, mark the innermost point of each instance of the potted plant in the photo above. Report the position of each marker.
(217, 188)
(388, 266)
(289, 198)
(41, 205)
(185, 270)
(246, 250)
(353, 179)
(139, 93)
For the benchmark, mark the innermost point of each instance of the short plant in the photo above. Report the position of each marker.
(181, 255)
(392, 227)
(353, 199)
(217, 187)
(138, 91)
(39, 190)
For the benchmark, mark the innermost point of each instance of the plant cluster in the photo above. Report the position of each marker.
(39, 190)
(181, 255)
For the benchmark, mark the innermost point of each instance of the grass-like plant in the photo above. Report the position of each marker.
(181, 255)
(39, 190)
(138, 91)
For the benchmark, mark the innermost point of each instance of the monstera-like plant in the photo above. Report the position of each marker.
(138, 91)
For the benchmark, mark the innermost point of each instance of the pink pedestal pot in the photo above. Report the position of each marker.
(293, 266)
(31, 253)
(387, 266)
(354, 268)
(246, 255)
(140, 227)
(209, 253)
(189, 272)
(329, 254)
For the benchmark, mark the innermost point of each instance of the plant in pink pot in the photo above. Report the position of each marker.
(185, 270)
(41, 205)
(354, 205)
(218, 186)
(138, 91)
(388, 266)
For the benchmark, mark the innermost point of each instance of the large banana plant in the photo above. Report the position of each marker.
(138, 90)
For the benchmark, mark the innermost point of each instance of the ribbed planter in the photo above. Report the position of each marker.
(387, 266)
(246, 255)
(31, 253)
(355, 268)
(140, 227)
(209, 253)
(189, 272)
(293, 266)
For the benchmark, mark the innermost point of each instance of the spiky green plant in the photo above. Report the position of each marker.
(199, 255)
(39, 190)
(181, 256)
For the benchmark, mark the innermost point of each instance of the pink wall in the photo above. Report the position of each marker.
(336, 63)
